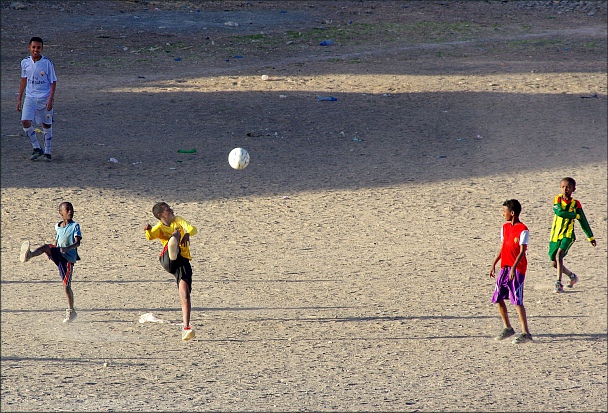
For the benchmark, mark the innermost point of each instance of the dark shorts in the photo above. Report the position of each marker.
(514, 289)
(65, 267)
(564, 244)
(180, 268)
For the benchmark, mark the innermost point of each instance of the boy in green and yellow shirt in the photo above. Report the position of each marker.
(566, 210)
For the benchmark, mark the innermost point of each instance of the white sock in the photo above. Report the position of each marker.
(31, 133)
(48, 137)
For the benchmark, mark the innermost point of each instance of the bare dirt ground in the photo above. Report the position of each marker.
(346, 268)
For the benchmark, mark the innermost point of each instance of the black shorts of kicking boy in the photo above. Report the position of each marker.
(65, 267)
(180, 267)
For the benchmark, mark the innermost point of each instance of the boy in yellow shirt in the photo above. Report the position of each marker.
(174, 233)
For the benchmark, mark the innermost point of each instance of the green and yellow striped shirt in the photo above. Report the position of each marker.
(565, 212)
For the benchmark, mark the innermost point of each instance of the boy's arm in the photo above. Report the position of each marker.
(151, 232)
(493, 269)
(188, 229)
(582, 219)
(522, 253)
(49, 102)
(561, 212)
(22, 85)
(76, 244)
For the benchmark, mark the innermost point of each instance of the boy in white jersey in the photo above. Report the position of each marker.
(38, 80)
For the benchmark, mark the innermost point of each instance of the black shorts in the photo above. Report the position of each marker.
(180, 267)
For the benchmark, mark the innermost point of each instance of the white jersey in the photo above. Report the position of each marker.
(39, 76)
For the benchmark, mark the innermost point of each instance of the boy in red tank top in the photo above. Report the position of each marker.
(513, 264)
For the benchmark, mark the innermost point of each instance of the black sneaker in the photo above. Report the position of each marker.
(507, 332)
(47, 157)
(559, 287)
(36, 153)
(522, 338)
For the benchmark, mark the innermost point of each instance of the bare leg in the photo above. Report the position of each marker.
(559, 264)
(502, 310)
(521, 312)
(70, 296)
(43, 249)
(184, 297)
(25, 254)
(173, 246)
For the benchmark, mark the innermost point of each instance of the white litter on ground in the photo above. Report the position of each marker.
(151, 318)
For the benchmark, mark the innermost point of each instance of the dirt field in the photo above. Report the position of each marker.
(346, 268)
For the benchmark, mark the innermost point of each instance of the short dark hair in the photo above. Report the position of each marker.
(36, 39)
(513, 205)
(158, 209)
(571, 181)
(66, 204)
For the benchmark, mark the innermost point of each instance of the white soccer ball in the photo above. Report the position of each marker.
(238, 158)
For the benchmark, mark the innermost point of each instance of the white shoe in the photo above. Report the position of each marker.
(70, 315)
(173, 248)
(187, 334)
(25, 254)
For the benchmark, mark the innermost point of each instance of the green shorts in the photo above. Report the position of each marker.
(564, 244)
